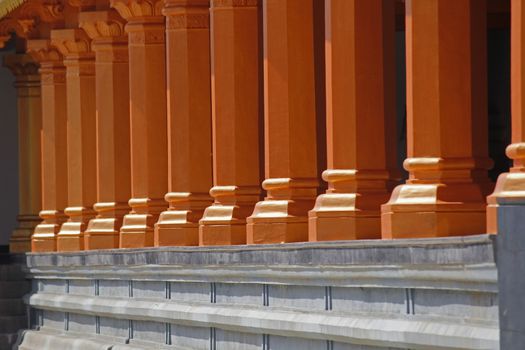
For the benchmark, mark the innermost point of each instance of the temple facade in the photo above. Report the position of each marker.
(268, 174)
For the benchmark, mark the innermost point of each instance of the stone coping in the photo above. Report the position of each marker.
(464, 250)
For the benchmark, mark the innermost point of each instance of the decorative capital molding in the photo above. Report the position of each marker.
(21, 27)
(24, 20)
(71, 41)
(102, 24)
(144, 36)
(42, 51)
(42, 10)
(83, 4)
(186, 4)
(234, 3)
(133, 9)
(186, 14)
(21, 64)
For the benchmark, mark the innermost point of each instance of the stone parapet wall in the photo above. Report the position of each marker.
(403, 294)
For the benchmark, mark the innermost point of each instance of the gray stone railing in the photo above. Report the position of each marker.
(403, 294)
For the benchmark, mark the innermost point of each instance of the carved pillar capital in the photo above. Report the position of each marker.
(137, 10)
(21, 64)
(21, 27)
(100, 25)
(109, 39)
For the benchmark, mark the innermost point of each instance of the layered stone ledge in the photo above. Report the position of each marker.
(403, 294)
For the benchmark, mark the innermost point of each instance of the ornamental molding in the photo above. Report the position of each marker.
(42, 10)
(234, 3)
(147, 37)
(130, 9)
(21, 27)
(71, 41)
(21, 64)
(102, 24)
(41, 51)
(25, 20)
(184, 20)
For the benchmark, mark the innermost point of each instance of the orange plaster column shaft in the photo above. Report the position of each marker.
(289, 124)
(110, 44)
(27, 84)
(189, 121)
(446, 123)
(360, 85)
(53, 143)
(236, 113)
(511, 186)
(149, 150)
(79, 60)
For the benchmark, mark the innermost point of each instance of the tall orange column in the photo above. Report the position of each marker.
(189, 121)
(236, 112)
(446, 123)
(110, 44)
(54, 144)
(27, 83)
(360, 99)
(149, 150)
(511, 186)
(289, 124)
(79, 60)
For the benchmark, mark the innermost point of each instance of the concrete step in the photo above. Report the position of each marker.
(7, 340)
(14, 289)
(12, 307)
(12, 324)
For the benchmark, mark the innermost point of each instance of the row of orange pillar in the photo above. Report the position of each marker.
(161, 120)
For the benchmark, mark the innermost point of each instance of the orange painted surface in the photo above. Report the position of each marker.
(446, 123)
(289, 124)
(113, 125)
(512, 185)
(189, 121)
(160, 120)
(235, 113)
(79, 60)
(149, 150)
(53, 144)
(360, 116)
(27, 84)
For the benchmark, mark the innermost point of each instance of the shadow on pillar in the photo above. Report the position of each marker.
(510, 258)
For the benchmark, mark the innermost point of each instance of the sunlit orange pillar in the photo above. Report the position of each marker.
(79, 60)
(511, 186)
(27, 84)
(189, 121)
(112, 116)
(235, 112)
(360, 99)
(149, 150)
(289, 124)
(446, 123)
(54, 144)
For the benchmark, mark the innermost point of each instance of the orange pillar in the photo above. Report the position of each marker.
(54, 144)
(189, 121)
(149, 150)
(511, 186)
(27, 84)
(79, 60)
(290, 124)
(360, 113)
(112, 116)
(446, 123)
(235, 113)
